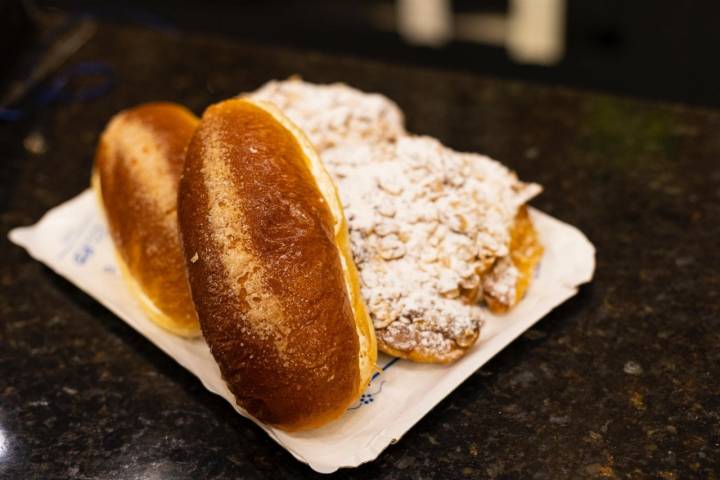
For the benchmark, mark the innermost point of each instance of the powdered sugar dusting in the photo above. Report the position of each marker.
(499, 283)
(334, 114)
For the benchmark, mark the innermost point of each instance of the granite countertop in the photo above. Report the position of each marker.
(622, 381)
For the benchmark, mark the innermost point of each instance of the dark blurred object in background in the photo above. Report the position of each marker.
(15, 32)
(660, 49)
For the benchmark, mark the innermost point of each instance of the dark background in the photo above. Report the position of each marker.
(660, 49)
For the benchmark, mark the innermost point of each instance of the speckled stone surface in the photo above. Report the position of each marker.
(622, 381)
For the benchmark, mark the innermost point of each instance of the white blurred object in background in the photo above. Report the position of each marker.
(536, 31)
(425, 22)
(532, 31)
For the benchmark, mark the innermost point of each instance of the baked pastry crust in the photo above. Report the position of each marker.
(136, 173)
(268, 260)
(525, 253)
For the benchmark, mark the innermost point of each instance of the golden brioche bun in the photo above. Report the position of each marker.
(268, 259)
(136, 174)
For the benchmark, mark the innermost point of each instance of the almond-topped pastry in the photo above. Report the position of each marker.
(433, 231)
(428, 227)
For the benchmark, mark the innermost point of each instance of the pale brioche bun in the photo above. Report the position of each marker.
(136, 174)
(270, 269)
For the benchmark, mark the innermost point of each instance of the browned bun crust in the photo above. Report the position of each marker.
(137, 169)
(525, 253)
(265, 269)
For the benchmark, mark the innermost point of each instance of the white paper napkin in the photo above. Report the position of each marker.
(72, 239)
